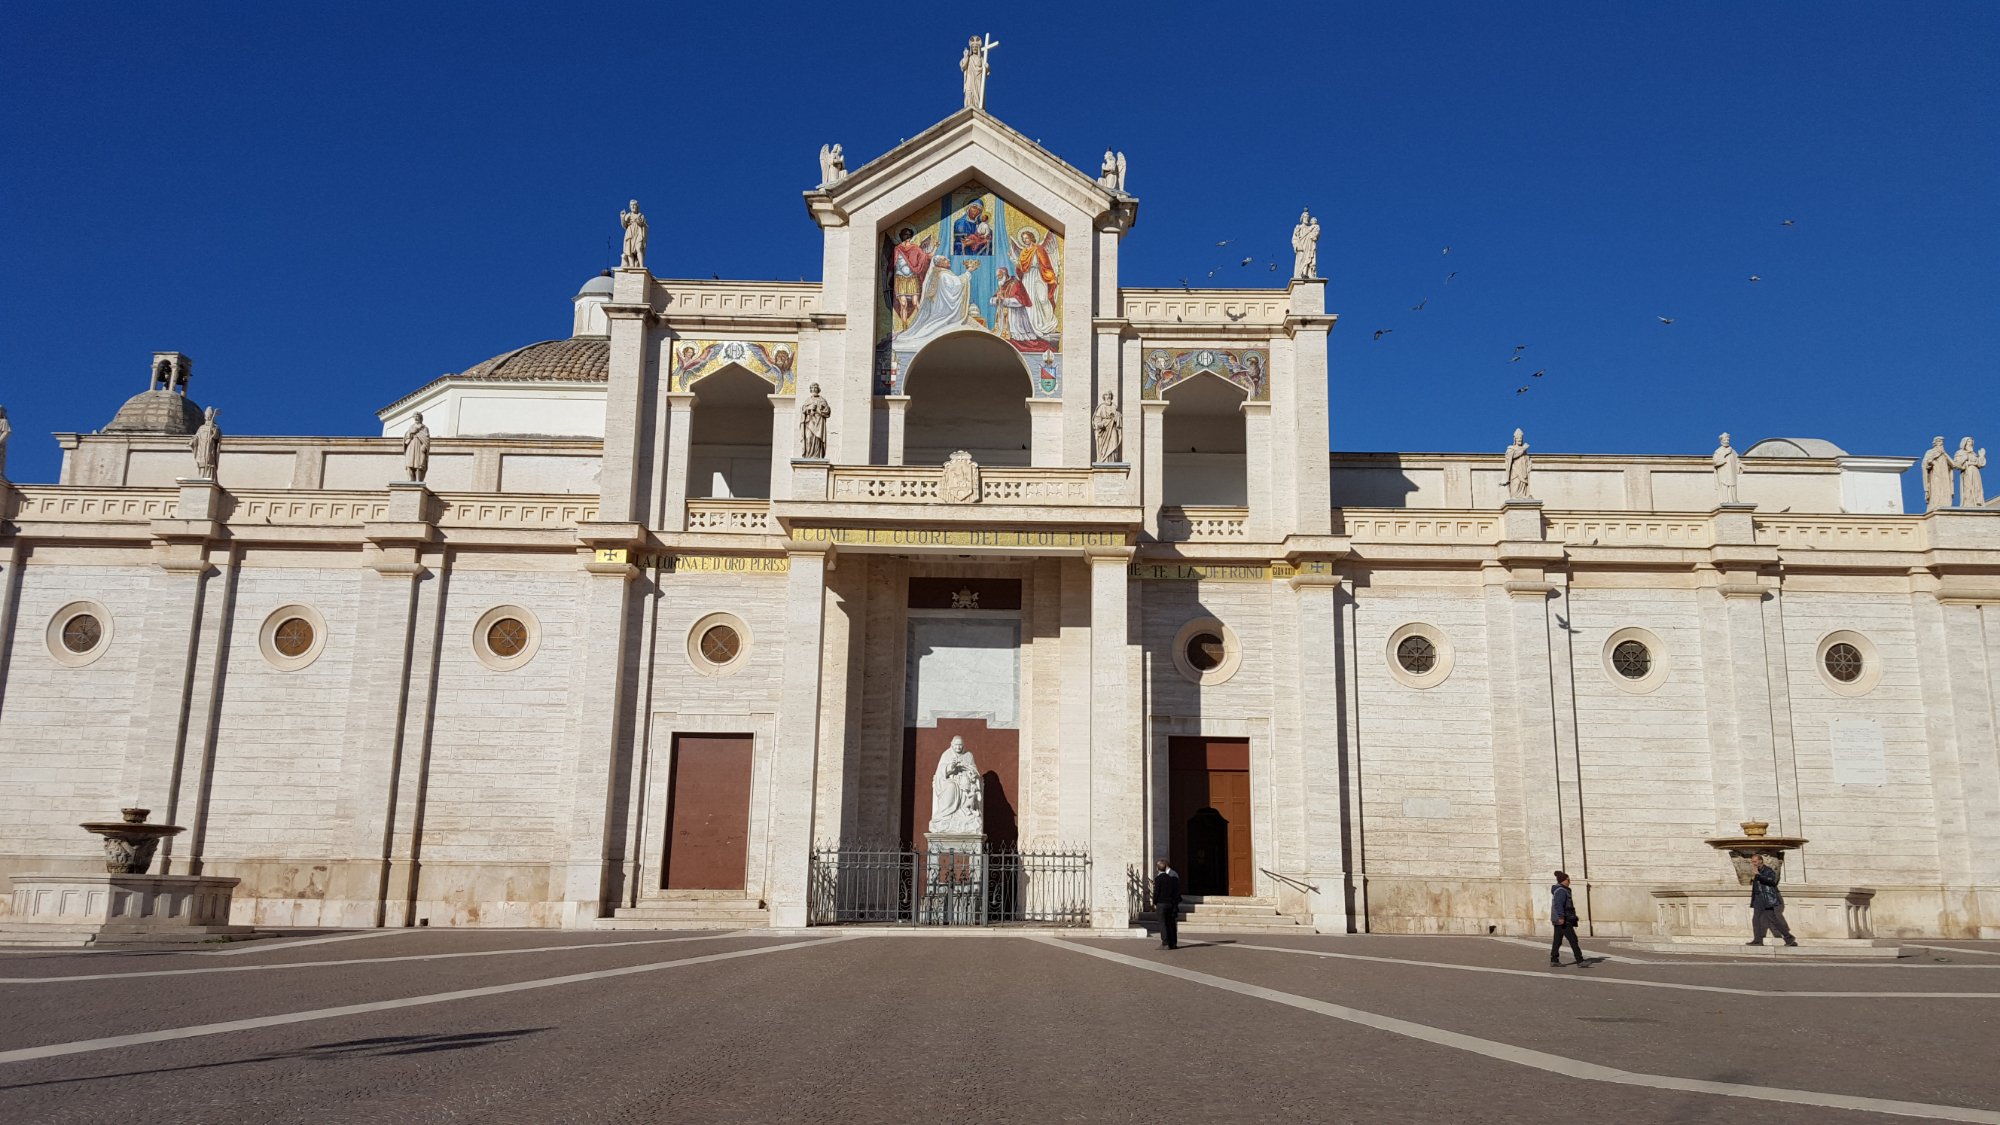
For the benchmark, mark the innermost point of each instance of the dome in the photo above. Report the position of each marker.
(575, 360)
(156, 412)
(599, 286)
(1795, 447)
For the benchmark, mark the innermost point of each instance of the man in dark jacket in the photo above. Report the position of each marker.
(1167, 898)
(1562, 912)
(1767, 905)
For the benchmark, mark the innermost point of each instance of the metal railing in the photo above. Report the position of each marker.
(1297, 884)
(887, 885)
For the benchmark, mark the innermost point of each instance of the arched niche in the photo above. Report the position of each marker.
(1202, 444)
(968, 390)
(729, 450)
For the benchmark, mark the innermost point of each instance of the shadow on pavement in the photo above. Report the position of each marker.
(345, 1049)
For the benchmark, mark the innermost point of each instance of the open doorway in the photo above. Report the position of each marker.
(968, 390)
(729, 451)
(1208, 786)
(1202, 444)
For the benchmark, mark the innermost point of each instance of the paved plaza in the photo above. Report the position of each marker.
(502, 1026)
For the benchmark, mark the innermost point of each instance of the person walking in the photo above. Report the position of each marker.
(1562, 912)
(1167, 899)
(1767, 905)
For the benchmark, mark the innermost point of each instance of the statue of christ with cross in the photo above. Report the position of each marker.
(973, 63)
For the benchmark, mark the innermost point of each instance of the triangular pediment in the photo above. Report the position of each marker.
(970, 145)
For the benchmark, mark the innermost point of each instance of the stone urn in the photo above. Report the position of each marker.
(129, 843)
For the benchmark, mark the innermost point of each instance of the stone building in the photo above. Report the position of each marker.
(623, 655)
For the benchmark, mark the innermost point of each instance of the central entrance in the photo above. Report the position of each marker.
(1208, 786)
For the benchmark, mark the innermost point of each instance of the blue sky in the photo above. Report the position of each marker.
(328, 205)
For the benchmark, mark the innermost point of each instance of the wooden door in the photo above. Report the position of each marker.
(708, 812)
(1208, 813)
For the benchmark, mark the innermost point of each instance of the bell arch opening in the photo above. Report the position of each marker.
(969, 391)
(729, 449)
(1202, 444)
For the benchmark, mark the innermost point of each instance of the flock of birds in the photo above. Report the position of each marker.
(1517, 355)
(1449, 277)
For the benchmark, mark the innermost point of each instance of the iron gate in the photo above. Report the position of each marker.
(860, 884)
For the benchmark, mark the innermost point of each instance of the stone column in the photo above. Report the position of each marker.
(1307, 321)
(1260, 454)
(784, 444)
(1152, 471)
(898, 407)
(590, 854)
(1322, 745)
(10, 586)
(621, 483)
(1959, 670)
(680, 432)
(1528, 787)
(1117, 805)
(795, 758)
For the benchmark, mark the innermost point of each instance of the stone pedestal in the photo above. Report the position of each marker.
(1828, 921)
(954, 891)
(72, 909)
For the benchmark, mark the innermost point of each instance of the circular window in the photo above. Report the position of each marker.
(1207, 652)
(1848, 662)
(506, 637)
(1204, 651)
(79, 633)
(292, 636)
(717, 644)
(1632, 659)
(1419, 656)
(1635, 660)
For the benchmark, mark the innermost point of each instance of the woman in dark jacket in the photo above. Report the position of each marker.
(1562, 912)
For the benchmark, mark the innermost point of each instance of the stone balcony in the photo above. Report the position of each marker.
(877, 506)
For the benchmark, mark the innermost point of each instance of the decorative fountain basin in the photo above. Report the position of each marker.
(129, 844)
(125, 905)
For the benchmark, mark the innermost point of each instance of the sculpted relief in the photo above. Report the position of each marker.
(971, 260)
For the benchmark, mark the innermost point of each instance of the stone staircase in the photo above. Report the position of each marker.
(691, 910)
(1219, 914)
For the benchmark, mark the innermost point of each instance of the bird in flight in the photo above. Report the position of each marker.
(1274, 267)
(1665, 319)
(1185, 286)
(1247, 261)
(1789, 223)
(1235, 315)
(1447, 250)
(1224, 242)
(1419, 306)
(1539, 374)
(1449, 276)
(1520, 390)
(1520, 347)
(1754, 277)
(1381, 332)
(1515, 358)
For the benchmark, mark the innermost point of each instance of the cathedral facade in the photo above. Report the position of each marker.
(616, 629)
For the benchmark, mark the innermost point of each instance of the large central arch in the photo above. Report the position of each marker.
(968, 390)
(1202, 443)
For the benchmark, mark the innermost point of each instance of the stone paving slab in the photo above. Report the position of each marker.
(1001, 1029)
(1916, 1049)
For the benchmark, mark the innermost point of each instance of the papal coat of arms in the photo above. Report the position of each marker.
(959, 483)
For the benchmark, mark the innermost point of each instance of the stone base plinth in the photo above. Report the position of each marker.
(73, 909)
(1715, 919)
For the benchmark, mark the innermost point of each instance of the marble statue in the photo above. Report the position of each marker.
(1971, 488)
(975, 67)
(1121, 173)
(813, 414)
(417, 450)
(1109, 426)
(6, 431)
(634, 256)
(1937, 476)
(1728, 472)
(1519, 465)
(958, 794)
(1107, 171)
(832, 165)
(207, 445)
(1305, 248)
(959, 482)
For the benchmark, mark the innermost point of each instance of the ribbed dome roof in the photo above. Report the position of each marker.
(156, 412)
(581, 359)
(1795, 447)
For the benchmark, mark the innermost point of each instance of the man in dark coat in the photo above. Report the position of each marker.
(1562, 912)
(1167, 898)
(1767, 904)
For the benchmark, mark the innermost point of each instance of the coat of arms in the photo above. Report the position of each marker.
(959, 483)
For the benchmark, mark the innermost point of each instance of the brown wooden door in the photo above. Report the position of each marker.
(1208, 812)
(708, 812)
